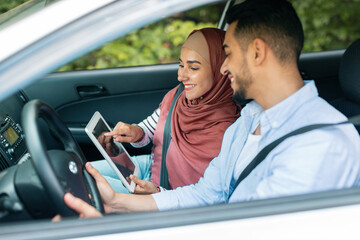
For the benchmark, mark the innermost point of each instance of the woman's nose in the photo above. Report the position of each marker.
(182, 75)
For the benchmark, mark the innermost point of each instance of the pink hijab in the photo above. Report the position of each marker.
(197, 127)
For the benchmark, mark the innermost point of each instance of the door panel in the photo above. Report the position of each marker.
(123, 94)
(59, 89)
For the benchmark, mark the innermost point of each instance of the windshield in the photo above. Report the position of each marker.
(23, 11)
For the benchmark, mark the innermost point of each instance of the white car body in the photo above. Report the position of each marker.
(40, 43)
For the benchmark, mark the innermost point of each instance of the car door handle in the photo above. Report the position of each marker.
(91, 91)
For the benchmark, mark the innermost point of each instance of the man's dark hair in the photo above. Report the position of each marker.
(274, 21)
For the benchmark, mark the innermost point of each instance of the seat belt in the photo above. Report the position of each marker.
(267, 149)
(164, 176)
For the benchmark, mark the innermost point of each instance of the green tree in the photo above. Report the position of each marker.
(140, 47)
(328, 24)
(6, 5)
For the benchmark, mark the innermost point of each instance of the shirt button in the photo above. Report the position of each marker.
(275, 124)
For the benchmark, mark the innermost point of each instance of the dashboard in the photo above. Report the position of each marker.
(12, 139)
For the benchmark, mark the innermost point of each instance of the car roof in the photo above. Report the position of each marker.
(35, 26)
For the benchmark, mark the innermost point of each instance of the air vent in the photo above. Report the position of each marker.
(3, 163)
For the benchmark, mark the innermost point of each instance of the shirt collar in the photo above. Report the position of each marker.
(278, 114)
(251, 109)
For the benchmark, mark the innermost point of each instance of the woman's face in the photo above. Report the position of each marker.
(195, 73)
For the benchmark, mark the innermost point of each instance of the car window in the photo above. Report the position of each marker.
(328, 25)
(12, 11)
(157, 43)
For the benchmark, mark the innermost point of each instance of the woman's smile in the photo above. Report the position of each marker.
(188, 87)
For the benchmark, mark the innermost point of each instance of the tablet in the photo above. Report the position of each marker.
(113, 152)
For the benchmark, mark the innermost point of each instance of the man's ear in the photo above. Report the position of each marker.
(259, 51)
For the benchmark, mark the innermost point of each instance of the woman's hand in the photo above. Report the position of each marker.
(124, 132)
(144, 187)
(108, 144)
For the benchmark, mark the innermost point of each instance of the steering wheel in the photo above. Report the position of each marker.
(60, 171)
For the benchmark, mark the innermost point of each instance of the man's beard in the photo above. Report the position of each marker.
(239, 98)
(243, 85)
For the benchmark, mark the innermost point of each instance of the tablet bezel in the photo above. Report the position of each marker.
(89, 131)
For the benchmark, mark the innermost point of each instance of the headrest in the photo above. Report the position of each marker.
(349, 73)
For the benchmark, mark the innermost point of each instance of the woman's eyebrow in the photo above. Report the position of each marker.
(191, 61)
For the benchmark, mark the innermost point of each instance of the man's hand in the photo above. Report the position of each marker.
(108, 195)
(80, 206)
(113, 202)
(144, 187)
(85, 210)
(124, 132)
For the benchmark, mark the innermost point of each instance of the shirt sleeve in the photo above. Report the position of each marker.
(148, 125)
(210, 189)
(317, 161)
(207, 191)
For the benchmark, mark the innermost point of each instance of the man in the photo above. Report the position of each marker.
(262, 45)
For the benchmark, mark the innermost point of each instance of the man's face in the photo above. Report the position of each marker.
(236, 66)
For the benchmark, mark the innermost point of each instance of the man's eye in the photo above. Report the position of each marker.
(180, 65)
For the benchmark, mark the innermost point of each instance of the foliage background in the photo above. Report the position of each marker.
(6, 5)
(154, 44)
(328, 24)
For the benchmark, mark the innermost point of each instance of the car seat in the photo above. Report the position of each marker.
(349, 78)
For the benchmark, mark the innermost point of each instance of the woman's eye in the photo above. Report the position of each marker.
(181, 65)
(194, 68)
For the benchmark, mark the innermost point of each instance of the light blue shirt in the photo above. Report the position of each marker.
(318, 160)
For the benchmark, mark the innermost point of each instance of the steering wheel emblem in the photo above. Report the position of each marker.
(72, 167)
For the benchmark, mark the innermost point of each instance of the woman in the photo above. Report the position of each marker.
(200, 116)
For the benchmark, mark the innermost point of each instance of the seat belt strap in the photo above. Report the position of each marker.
(164, 176)
(267, 149)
